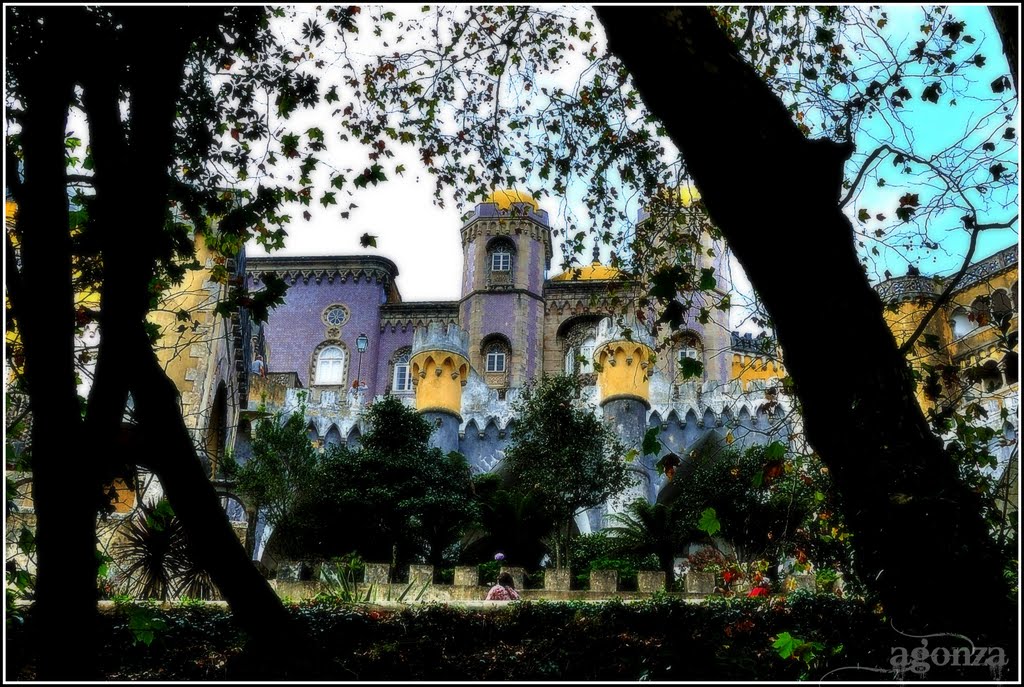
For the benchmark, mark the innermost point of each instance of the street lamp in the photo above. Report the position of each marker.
(361, 344)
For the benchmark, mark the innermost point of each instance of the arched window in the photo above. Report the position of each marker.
(960, 323)
(401, 377)
(497, 359)
(579, 359)
(690, 349)
(988, 377)
(579, 341)
(333, 437)
(330, 366)
(500, 262)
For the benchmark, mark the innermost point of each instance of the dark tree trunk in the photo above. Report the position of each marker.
(1007, 24)
(65, 489)
(131, 180)
(918, 532)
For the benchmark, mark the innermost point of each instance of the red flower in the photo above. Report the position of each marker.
(757, 591)
(729, 576)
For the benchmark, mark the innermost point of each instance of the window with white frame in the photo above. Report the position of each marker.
(500, 258)
(496, 361)
(401, 380)
(689, 350)
(501, 261)
(330, 366)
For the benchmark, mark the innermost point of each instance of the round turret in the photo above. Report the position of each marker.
(440, 368)
(624, 361)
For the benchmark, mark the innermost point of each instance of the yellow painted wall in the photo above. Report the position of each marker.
(747, 368)
(439, 377)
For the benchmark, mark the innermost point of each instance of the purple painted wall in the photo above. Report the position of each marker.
(295, 329)
(390, 341)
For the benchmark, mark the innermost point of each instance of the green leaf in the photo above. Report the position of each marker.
(368, 241)
(26, 540)
(775, 450)
(651, 444)
(707, 279)
(709, 522)
(786, 644)
(690, 368)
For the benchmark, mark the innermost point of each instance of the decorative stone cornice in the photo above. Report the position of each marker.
(916, 287)
(583, 298)
(984, 270)
(324, 267)
(899, 289)
(532, 224)
(405, 315)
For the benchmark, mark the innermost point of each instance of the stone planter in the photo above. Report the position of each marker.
(606, 581)
(467, 576)
(557, 579)
(699, 583)
(650, 581)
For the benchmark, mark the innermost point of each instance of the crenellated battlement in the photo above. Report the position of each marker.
(437, 336)
(611, 330)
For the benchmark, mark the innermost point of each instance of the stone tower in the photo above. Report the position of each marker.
(506, 245)
(440, 368)
(708, 341)
(624, 362)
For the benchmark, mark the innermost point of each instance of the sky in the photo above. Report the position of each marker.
(424, 240)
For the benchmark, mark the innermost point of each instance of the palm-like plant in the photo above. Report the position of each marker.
(646, 528)
(155, 559)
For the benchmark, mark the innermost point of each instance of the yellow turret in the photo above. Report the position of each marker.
(624, 363)
(440, 368)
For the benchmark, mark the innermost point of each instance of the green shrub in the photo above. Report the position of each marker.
(489, 572)
(657, 639)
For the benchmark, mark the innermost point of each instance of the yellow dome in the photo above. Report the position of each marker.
(504, 199)
(592, 272)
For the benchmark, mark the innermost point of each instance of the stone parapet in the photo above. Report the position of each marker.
(605, 581)
(467, 576)
(650, 581)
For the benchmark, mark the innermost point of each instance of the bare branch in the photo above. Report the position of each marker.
(948, 291)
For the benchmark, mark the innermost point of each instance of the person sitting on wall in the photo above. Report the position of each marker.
(258, 366)
(505, 590)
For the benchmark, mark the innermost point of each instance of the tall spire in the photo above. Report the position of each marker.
(597, 253)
